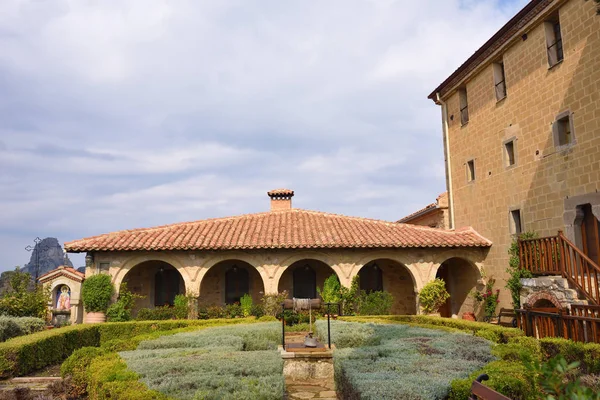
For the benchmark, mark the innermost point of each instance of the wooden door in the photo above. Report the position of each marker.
(590, 234)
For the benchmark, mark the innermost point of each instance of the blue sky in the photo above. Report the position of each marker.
(123, 114)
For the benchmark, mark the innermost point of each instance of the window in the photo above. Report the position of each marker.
(554, 42)
(237, 284)
(509, 153)
(515, 222)
(499, 80)
(371, 278)
(464, 106)
(103, 267)
(470, 170)
(562, 130)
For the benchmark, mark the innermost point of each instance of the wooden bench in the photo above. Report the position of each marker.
(510, 318)
(481, 392)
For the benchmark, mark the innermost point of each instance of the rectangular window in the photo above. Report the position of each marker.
(499, 80)
(554, 42)
(103, 267)
(509, 153)
(470, 170)
(562, 130)
(515, 222)
(464, 106)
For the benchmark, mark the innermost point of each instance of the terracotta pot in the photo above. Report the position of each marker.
(469, 316)
(95, 317)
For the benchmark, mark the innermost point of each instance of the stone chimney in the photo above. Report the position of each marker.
(281, 199)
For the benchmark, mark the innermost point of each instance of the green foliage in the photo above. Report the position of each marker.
(246, 305)
(557, 380)
(96, 293)
(375, 361)
(272, 303)
(11, 327)
(375, 303)
(488, 297)
(76, 366)
(233, 310)
(181, 306)
(161, 313)
(587, 354)
(331, 292)
(120, 311)
(514, 270)
(238, 362)
(351, 297)
(23, 298)
(433, 295)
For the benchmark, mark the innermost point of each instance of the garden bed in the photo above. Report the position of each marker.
(385, 361)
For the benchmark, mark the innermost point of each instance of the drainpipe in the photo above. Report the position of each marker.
(447, 162)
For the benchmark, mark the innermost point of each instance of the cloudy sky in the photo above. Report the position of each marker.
(121, 114)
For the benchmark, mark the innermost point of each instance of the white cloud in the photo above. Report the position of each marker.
(126, 113)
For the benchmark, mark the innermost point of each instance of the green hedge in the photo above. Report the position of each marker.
(24, 354)
(494, 333)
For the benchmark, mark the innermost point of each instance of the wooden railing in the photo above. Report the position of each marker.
(540, 324)
(581, 310)
(557, 255)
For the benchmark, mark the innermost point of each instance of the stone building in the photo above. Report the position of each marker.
(64, 279)
(219, 260)
(434, 215)
(521, 131)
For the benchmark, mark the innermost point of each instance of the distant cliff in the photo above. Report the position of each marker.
(51, 255)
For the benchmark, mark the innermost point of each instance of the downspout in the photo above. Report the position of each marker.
(447, 162)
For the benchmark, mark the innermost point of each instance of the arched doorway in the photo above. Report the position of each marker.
(392, 277)
(461, 278)
(226, 282)
(302, 278)
(159, 282)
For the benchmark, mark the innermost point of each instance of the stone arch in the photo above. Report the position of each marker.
(462, 276)
(157, 281)
(218, 283)
(395, 278)
(541, 299)
(403, 258)
(156, 256)
(321, 270)
(287, 262)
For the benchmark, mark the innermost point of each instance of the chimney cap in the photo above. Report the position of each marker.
(281, 193)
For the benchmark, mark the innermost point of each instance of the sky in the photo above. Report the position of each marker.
(122, 114)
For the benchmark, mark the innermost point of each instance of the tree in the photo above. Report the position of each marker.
(23, 297)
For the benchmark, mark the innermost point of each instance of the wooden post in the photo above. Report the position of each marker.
(283, 326)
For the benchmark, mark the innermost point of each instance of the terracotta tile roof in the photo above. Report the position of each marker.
(423, 210)
(62, 271)
(287, 229)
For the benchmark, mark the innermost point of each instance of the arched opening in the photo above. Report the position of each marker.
(393, 277)
(302, 278)
(461, 278)
(544, 303)
(159, 282)
(226, 282)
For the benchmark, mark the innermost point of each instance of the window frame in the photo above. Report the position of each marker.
(500, 80)
(463, 105)
(512, 222)
(470, 169)
(556, 130)
(505, 154)
(554, 41)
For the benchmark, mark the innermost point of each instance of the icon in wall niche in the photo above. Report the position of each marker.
(63, 301)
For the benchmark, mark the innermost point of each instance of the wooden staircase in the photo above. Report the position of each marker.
(557, 255)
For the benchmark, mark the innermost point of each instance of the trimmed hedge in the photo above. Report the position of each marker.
(24, 354)
(494, 333)
(11, 327)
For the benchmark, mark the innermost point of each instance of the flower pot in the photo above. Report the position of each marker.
(469, 316)
(95, 317)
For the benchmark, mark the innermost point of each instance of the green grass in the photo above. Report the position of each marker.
(233, 362)
(392, 361)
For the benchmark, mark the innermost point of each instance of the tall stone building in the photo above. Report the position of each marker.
(521, 131)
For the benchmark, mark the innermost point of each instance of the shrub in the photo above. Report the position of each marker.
(120, 311)
(375, 303)
(96, 293)
(23, 298)
(216, 312)
(331, 292)
(433, 295)
(588, 354)
(156, 314)
(257, 310)
(76, 367)
(272, 302)
(11, 327)
(350, 297)
(181, 305)
(233, 310)
(375, 361)
(488, 297)
(246, 305)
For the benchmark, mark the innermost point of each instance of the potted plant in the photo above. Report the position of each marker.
(433, 296)
(96, 293)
